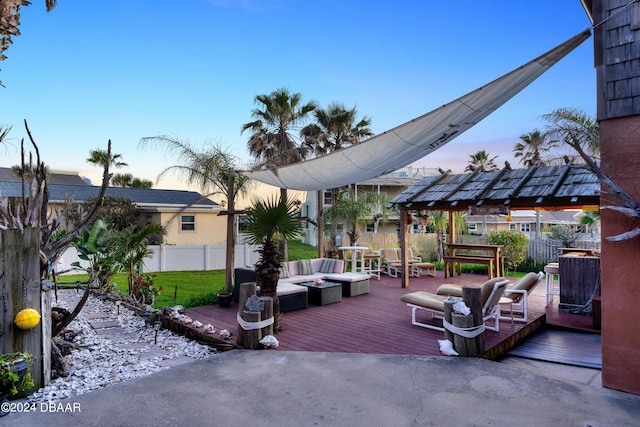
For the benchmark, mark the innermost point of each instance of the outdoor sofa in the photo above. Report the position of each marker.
(292, 295)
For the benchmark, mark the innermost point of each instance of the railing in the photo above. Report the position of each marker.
(540, 250)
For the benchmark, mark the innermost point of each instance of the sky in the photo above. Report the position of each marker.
(88, 72)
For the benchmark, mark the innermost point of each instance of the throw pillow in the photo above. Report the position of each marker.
(284, 270)
(328, 266)
(304, 267)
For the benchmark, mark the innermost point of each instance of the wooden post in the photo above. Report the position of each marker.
(472, 297)
(20, 288)
(267, 313)
(245, 291)
(231, 223)
(448, 310)
(466, 347)
(320, 223)
(251, 338)
(404, 216)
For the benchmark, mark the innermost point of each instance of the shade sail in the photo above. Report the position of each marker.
(411, 141)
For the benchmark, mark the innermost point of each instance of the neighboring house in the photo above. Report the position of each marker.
(197, 224)
(388, 185)
(526, 221)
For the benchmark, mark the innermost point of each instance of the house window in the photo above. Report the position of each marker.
(371, 227)
(328, 198)
(525, 228)
(472, 227)
(188, 223)
(512, 227)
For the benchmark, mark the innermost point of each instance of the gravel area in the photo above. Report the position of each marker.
(113, 348)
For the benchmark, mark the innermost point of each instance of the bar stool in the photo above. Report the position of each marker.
(553, 288)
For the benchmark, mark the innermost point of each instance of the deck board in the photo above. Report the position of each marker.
(374, 323)
(570, 348)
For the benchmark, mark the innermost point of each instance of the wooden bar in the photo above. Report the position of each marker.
(493, 250)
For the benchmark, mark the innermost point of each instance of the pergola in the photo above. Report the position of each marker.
(497, 192)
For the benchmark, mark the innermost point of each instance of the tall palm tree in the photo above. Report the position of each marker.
(267, 219)
(335, 128)
(482, 162)
(129, 181)
(211, 170)
(574, 128)
(101, 158)
(531, 148)
(272, 142)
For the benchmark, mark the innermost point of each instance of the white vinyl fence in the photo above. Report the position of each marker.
(180, 258)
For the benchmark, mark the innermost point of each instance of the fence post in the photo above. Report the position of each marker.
(20, 288)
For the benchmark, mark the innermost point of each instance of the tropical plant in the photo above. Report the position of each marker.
(564, 234)
(130, 248)
(213, 170)
(589, 219)
(335, 128)
(142, 289)
(11, 379)
(129, 181)
(272, 141)
(572, 127)
(482, 162)
(95, 246)
(514, 246)
(267, 219)
(531, 149)
(354, 210)
(120, 212)
(101, 157)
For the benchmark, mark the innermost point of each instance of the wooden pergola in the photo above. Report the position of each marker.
(497, 192)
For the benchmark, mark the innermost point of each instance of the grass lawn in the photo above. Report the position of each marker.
(193, 287)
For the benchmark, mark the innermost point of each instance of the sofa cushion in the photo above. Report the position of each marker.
(284, 270)
(285, 288)
(328, 265)
(305, 267)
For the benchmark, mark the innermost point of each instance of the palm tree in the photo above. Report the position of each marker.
(272, 142)
(574, 128)
(267, 219)
(482, 162)
(531, 148)
(131, 247)
(335, 128)
(129, 181)
(353, 211)
(211, 170)
(101, 158)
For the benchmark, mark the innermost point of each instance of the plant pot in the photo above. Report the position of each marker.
(225, 298)
(20, 367)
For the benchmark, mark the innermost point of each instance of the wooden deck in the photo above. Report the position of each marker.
(379, 323)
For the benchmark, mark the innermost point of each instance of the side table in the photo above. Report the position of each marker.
(326, 293)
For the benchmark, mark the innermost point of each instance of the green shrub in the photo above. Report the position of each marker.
(514, 244)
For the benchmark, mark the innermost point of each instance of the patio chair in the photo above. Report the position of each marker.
(491, 292)
(391, 261)
(517, 296)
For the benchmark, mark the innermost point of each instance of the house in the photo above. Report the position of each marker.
(188, 217)
(388, 186)
(529, 222)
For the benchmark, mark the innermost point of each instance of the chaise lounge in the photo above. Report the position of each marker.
(491, 292)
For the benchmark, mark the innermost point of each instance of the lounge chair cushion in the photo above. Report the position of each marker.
(456, 290)
(304, 267)
(526, 283)
(425, 299)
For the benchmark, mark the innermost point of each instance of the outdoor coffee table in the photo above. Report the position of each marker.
(326, 293)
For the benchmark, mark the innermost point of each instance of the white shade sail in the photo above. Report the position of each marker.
(411, 141)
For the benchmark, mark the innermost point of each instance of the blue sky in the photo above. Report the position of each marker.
(92, 71)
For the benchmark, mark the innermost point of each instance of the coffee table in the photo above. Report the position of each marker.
(326, 293)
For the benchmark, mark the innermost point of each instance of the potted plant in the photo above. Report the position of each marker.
(14, 373)
(225, 298)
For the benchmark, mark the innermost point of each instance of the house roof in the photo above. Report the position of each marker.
(55, 177)
(550, 187)
(142, 197)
